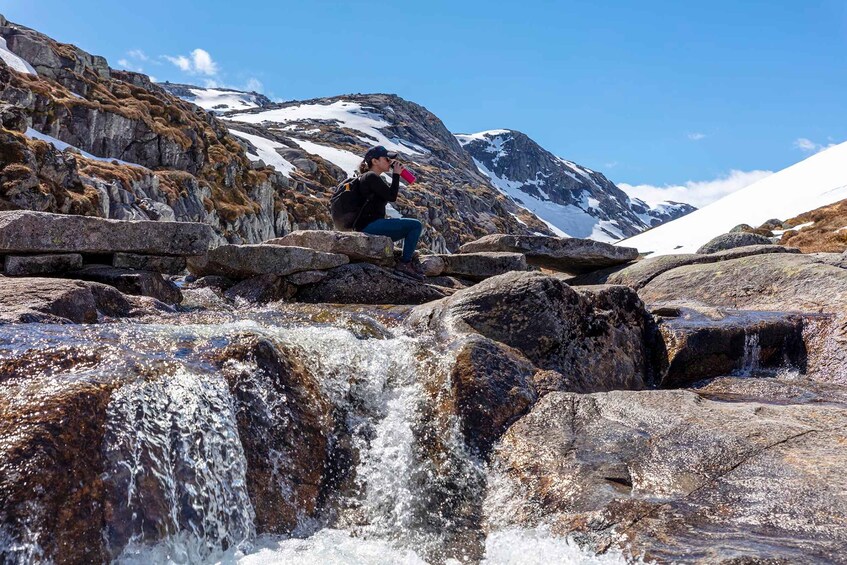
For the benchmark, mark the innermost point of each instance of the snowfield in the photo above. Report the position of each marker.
(222, 100)
(819, 180)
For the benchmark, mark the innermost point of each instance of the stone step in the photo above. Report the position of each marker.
(23, 231)
(356, 245)
(245, 261)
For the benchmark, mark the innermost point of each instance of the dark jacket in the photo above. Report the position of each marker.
(377, 193)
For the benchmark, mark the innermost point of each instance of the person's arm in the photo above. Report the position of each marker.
(374, 184)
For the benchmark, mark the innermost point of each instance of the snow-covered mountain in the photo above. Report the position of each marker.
(574, 200)
(217, 100)
(819, 180)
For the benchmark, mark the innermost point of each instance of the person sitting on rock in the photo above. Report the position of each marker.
(377, 193)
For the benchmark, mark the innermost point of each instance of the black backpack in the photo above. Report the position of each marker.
(346, 204)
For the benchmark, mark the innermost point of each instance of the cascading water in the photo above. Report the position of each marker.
(752, 353)
(178, 473)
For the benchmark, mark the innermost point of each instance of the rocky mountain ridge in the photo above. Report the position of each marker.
(577, 201)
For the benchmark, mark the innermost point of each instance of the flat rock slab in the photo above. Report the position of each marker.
(570, 255)
(639, 274)
(678, 478)
(34, 299)
(734, 342)
(245, 261)
(128, 281)
(40, 232)
(34, 265)
(157, 263)
(356, 245)
(363, 283)
(481, 265)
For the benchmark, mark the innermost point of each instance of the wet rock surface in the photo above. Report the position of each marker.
(33, 299)
(284, 424)
(570, 255)
(675, 477)
(729, 342)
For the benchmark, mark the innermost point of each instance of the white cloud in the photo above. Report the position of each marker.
(810, 146)
(182, 62)
(696, 193)
(198, 63)
(203, 62)
(696, 136)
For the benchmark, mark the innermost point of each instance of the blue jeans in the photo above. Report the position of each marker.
(407, 229)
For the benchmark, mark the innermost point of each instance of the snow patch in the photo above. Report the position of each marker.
(61, 146)
(15, 61)
(339, 157)
(222, 100)
(349, 115)
(266, 151)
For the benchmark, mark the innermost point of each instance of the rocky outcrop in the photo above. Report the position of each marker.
(595, 338)
(673, 477)
(775, 282)
(34, 265)
(733, 240)
(825, 234)
(639, 274)
(569, 255)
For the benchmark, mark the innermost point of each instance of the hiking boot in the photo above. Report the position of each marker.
(409, 270)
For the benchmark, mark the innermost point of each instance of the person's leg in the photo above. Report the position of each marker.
(407, 229)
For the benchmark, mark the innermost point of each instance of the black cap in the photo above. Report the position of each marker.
(377, 152)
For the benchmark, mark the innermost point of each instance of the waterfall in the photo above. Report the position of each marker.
(177, 474)
(178, 468)
(752, 353)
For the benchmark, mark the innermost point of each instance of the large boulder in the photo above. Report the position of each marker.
(356, 245)
(156, 263)
(733, 240)
(570, 255)
(595, 337)
(363, 283)
(40, 232)
(481, 265)
(59, 301)
(245, 261)
(677, 478)
(284, 425)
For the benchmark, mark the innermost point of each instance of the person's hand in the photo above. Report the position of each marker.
(396, 167)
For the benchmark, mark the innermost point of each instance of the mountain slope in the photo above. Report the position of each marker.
(573, 200)
(452, 198)
(819, 180)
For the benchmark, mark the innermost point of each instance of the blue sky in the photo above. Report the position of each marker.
(650, 93)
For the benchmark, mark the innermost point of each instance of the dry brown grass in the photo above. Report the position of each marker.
(825, 234)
